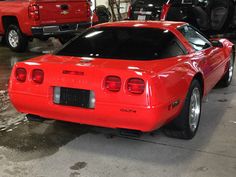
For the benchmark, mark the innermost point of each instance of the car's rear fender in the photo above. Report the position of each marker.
(170, 86)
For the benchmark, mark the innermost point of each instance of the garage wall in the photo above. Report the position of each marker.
(124, 6)
(102, 2)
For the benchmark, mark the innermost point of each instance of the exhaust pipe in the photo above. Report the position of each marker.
(130, 133)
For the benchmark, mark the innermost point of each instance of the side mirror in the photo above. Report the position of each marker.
(216, 43)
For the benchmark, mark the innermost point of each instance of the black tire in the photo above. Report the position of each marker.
(103, 14)
(2, 40)
(180, 127)
(21, 43)
(228, 76)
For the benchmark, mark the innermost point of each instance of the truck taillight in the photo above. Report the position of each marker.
(135, 85)
(89, 4)
(38, 76)
(34, 11)
(113, 83)
(21, 74)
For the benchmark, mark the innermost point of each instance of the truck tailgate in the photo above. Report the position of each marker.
(63, 11)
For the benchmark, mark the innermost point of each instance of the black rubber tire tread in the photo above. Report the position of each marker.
(179, 127)
(23, 40)
(224, 82)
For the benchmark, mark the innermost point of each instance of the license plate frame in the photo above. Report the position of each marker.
(74, 97)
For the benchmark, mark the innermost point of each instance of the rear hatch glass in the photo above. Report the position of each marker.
(124, 43)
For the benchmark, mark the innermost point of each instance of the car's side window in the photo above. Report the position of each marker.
(195, 39)
(173, 48)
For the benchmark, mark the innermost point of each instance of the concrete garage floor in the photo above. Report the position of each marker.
(59, 149)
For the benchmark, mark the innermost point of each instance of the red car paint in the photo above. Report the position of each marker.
(167, 81)
(43, 13)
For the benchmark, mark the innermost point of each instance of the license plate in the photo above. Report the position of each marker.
(142, 17)
(68, 27)
(143, 12)
(74, 97)
(50, 29)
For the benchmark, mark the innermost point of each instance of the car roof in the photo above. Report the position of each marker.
(144, 24)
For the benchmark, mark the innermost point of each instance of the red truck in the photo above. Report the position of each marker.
(23, 20)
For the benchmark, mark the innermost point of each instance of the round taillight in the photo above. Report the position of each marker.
(113, 83)
(38, 76)
(136, 85)
(21, 74)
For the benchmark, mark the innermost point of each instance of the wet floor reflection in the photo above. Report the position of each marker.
(4, 100)
(9, 58)
(6, 64)
(7, 61)
(35, 140)
(28, 136)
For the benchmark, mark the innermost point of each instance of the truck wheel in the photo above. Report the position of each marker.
(186, 124)
(227, 78)
(15, 39)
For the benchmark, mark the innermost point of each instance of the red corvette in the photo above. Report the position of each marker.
(126, 75)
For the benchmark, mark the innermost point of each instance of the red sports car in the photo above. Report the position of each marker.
(126, 75)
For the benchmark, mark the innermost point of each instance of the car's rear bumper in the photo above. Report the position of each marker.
(55, 30)
(109, 115)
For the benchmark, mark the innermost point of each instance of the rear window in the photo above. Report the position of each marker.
(124, 43)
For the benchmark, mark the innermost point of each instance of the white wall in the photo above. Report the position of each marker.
(123, 10)
(124, 6)
(102, 2)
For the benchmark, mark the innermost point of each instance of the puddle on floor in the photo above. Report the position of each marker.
(23, 140)
(32, 140)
